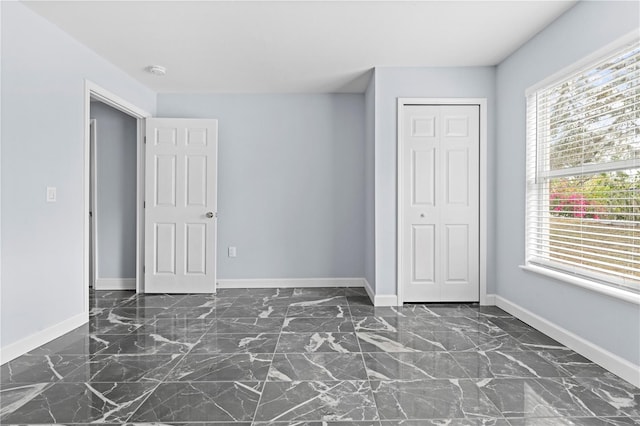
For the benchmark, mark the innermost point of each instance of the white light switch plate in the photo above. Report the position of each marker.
(232, 251)
(51, 194)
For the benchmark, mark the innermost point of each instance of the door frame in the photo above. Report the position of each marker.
(482, 103)
(93, 202)
(96, 92)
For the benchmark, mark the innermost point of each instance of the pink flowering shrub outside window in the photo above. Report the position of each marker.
(572, 205)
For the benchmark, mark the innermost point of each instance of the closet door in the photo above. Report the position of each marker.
(440, 151)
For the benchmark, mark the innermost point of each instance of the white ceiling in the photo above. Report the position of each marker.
(295, 46)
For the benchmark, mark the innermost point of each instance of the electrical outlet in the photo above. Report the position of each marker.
(232, 251)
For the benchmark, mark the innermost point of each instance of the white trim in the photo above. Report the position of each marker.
(584, 62)
(115, 284)
(93, 91)
(612, 362)
(490, 300)
(29, 343)
(482, 103)
(385, 300)
(615, 292)
(380, 299)
(93, 199)
(291, 282)
(370, 291)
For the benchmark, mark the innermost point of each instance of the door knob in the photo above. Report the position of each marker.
(210, 215)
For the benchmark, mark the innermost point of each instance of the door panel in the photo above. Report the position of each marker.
(181, 205)
(423, 250)
(440, 170)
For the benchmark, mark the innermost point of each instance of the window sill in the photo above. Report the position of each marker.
(616, 293)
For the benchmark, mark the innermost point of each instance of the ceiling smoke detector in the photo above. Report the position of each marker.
(158, 70)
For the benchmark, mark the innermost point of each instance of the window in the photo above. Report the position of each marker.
(583, 171)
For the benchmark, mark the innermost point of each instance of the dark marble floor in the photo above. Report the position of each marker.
(307, 357)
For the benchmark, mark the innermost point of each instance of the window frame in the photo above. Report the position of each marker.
(602, 283)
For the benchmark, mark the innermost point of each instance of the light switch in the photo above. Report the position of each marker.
(232, 251)
(51, 194)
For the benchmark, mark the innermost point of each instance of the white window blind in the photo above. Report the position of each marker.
(583, 171)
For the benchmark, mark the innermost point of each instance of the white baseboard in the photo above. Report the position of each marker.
(291, 282)
(115, 284)
(385, 300)
(489, 300)
(29, 343)
(612, 362)
(380, 299)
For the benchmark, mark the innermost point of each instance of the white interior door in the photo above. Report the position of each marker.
(180, 205)
(441, 210)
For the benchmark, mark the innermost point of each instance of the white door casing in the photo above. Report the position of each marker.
(440, 159)
(180, 205)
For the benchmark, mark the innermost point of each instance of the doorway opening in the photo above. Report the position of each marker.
(114, 106)
(112, 214)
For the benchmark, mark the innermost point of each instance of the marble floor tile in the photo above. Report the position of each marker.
(317, 367)
(254, 312)
(328, 401)
(622, 395)
(81, 403)
(306, 325)
(203, 301)
(355, 291)
(534, 340)
(374, 311)
(376, 324)
(431, 399)
(222, 367)
(317, 342)
(397, 342)
(411, 366)
(550, 397)
(177, 327)
(85, 344)
(574, 364)
(306, 357)
(151, 344)
(319, 312)
(262, 343)
(200, 402)
(318, 301)
(573, 421)
(40, 369)
(131, 313)
(319, 292)
(511, 324)
(125, 368)
(200, 313)
(359, 301)
(453, 310)
(497, 364)
(153, 301)
(486, 421)
(14, 396)
(254, 292)
(247, 325)
(470, 341)
(114, 325)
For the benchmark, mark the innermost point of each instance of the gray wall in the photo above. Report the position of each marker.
(369, 183)
(291, 182)
(392, 83)
(607, 322)
(43, 72)
(116, 180)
